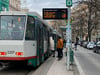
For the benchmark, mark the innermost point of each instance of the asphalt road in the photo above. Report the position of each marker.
(88, 60)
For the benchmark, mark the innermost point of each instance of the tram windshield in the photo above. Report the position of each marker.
(12, 27)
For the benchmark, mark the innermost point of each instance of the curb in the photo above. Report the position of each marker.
(81, 72)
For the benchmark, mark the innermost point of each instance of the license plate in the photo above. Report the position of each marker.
(11, 52)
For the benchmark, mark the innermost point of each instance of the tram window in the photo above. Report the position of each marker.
(30, 29)
(11, 28)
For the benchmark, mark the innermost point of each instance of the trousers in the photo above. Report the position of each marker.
(60, 52)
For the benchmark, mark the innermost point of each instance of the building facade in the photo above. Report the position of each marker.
(14, 5)
(25, 9)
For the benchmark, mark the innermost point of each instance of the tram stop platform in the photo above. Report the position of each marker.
(60, 67)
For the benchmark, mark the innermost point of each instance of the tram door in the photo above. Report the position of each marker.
(40, 41)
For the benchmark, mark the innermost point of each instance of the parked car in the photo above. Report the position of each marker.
(90, 45)
(97, 47)
(81, 43)
(85, 44)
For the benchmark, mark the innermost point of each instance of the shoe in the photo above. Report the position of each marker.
(53, 56)
(59, 59)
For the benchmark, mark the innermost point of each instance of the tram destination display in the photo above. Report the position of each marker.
(55, 13)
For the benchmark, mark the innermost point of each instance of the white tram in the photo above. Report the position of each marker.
(23, 37)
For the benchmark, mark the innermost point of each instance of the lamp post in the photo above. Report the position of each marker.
(68, 33)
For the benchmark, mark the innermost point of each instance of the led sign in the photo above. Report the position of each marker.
(55, 13)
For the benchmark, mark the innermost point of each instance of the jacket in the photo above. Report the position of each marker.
(60, 43)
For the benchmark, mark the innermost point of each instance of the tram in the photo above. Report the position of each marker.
(23, 37)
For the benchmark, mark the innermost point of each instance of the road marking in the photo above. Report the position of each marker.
(81, 72)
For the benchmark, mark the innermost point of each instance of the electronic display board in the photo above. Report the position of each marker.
(55, 13)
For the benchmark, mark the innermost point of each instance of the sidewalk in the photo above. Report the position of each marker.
(59, 67)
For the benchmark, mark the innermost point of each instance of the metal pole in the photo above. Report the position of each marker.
(68, 37)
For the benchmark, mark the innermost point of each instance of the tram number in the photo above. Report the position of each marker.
(10, 52)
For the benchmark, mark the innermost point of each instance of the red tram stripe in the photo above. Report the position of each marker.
(17, 58)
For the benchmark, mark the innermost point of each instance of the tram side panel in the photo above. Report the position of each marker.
(30, 48)
(30, 44)
(38, 45)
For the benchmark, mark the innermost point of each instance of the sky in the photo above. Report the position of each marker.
(38, 5)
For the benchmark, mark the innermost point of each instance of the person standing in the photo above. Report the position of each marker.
(60, 48)
(52, 46)
(76, 43)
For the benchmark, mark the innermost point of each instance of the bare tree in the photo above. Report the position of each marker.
(93, 9)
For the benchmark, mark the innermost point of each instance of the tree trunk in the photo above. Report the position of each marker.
(89, 21)
(89, 36)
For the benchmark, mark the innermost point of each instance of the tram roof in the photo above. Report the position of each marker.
(13, 13)
(26, 13)
(40, 18)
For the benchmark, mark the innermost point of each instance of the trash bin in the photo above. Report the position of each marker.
(71, 56)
